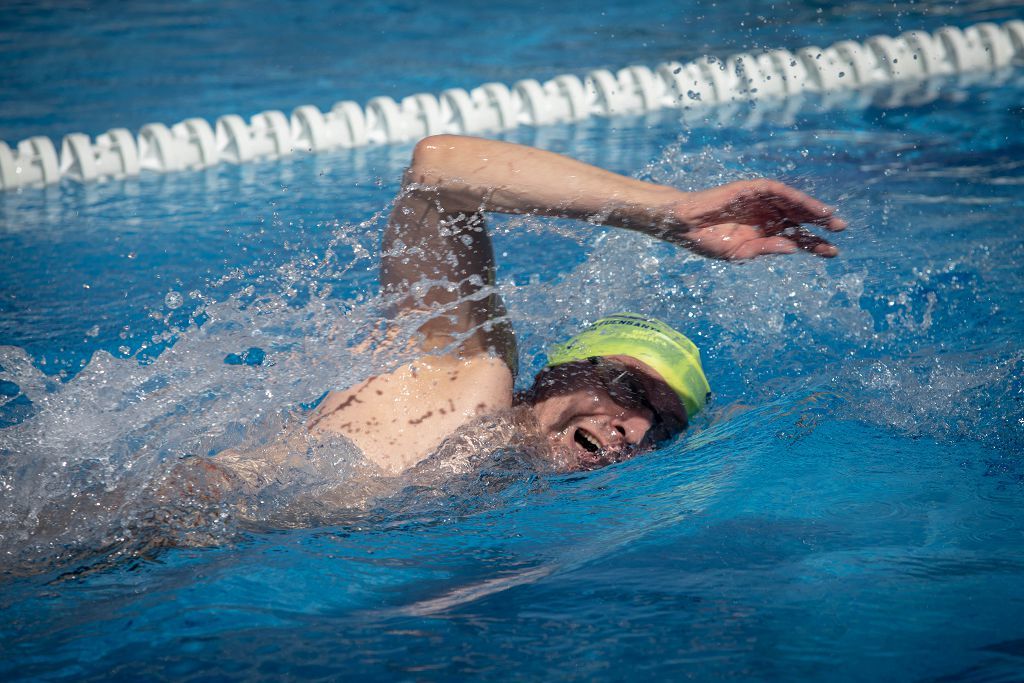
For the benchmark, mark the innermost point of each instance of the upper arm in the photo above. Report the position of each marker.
(437, 258)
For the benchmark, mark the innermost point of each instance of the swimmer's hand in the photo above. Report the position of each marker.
(749, 218)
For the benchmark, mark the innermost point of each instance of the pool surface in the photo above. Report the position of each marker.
(850, 506)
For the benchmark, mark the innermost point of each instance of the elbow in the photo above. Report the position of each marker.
(434, 158)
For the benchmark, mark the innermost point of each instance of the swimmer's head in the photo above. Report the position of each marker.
(622, 385)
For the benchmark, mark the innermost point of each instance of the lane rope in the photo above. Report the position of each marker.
(768, 78)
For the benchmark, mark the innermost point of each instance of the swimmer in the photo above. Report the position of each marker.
(621, 386)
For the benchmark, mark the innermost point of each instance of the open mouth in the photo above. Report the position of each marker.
(586, 440)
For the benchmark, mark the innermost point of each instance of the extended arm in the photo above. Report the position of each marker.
(437, 254)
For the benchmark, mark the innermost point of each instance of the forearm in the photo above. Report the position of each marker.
(473, 174)
(437, 234)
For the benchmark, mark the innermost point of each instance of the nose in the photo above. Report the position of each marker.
(628, 428)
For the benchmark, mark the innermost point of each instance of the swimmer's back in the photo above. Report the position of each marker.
(400, 418)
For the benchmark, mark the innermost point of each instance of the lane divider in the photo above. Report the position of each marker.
(708, 81)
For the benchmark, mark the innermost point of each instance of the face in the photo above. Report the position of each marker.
(604, 410)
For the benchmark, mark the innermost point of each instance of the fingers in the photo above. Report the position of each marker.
(809, 242)
(784, 244)
(754, 218)
(763, 246)
(736, 241)
(795, 206)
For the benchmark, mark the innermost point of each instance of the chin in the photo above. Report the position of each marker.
(563, 460)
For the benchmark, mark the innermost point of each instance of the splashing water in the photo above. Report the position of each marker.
(867, 413)
(91, 448)
(89, 462)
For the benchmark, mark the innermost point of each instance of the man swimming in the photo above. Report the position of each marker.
(621, 386)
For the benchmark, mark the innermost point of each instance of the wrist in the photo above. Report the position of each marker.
(661, 211)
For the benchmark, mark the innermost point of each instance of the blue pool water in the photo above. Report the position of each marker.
(851, 507)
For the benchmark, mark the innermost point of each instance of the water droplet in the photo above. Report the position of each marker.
(252, 356)
(804, 153)
(173, 300)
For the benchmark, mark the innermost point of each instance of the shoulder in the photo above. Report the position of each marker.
(469, 386)
(466, 373)
(399, 418)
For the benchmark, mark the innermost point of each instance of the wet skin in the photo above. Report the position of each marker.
(437, 260)
(604, 411)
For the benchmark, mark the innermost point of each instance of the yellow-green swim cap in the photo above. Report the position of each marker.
(670, 353)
